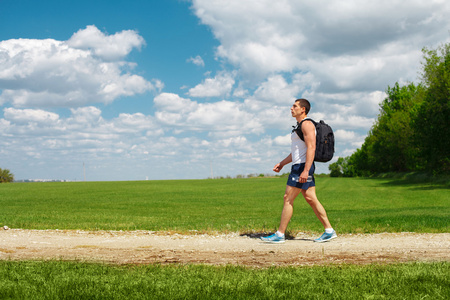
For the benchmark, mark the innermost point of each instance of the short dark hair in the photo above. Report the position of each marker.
(304, 103)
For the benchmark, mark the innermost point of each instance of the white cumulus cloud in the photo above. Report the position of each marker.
(29, 115)
(198, 60)
(86, 69)
(109, 47)
(221, 85)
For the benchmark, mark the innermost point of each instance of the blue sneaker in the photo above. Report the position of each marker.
(273, 239)
(326, 237)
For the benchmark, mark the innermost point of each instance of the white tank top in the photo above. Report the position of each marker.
(298, 149)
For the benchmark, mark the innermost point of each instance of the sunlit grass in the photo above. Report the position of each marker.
(70, 280)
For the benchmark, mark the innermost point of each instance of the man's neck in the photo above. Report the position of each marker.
(301, 118)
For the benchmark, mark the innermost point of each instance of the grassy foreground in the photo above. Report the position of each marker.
(354, 205)
(69, 280)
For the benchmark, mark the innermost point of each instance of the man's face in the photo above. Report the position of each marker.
(296, 109)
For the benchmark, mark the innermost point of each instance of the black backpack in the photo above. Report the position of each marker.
(324, 140)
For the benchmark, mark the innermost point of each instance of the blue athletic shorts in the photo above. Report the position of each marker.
(296, 170)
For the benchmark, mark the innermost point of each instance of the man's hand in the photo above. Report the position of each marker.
(303, 177)
(277, 168)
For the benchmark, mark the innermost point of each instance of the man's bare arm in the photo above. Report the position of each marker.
(281, 164)
(309, 134)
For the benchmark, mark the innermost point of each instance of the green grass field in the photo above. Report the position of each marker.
(69, 280)
(243, 205)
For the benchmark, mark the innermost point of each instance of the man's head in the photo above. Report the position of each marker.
(304, 103)
(300, 109)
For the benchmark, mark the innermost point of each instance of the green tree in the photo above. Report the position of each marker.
(6, 176)
(412, 129)
(433, 117)
(389, 145)
(393, 144)
(336, 168)
(342, 168)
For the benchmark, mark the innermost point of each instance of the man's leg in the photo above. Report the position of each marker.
(288, 207)
(319, 210)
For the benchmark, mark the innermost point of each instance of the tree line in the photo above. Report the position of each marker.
(412, 130)
(6, 176)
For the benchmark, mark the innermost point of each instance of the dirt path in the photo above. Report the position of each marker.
(143, 247)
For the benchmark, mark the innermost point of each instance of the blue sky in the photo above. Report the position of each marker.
(172, 89)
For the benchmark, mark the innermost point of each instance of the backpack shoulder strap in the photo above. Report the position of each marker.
(298, 129)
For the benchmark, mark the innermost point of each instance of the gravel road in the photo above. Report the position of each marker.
(144, 247)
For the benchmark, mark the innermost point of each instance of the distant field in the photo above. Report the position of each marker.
(244, 205)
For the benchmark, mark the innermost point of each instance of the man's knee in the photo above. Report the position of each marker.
(290, 195)
(311, 201)
(288, 199)
(310, 196)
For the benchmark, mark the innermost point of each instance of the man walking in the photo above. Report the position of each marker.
(301, 179)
